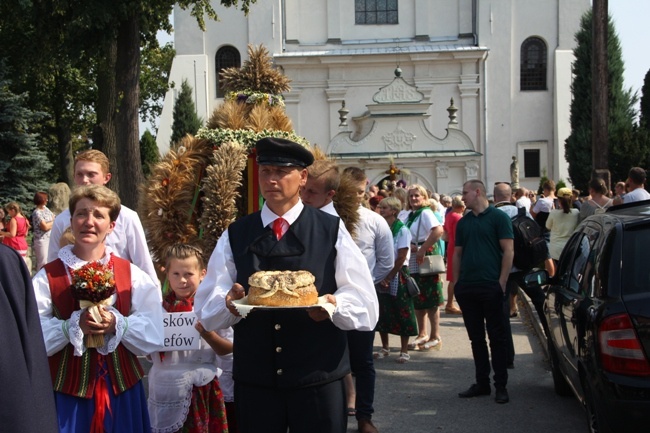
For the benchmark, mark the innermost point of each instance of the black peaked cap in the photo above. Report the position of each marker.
(282, 152)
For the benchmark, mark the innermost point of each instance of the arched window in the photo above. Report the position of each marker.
(533, 64)
(227, 57)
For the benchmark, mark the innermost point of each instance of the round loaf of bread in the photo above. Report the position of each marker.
(282, 289)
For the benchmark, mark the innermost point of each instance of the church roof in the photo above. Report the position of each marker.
(406, 49)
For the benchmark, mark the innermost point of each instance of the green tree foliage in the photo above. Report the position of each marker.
(149, 154)
(23, 163)
(49, 42)
(644, 118)
(624, 150)
(185, 119)
(154, 79)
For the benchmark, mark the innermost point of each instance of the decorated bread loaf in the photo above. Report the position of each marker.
(282, 289)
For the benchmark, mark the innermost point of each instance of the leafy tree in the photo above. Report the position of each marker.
(23, 164)
(185, 119)
(148, 152)
(154, 79)
(101, 42)
(578, 149)
(57, 80)
(644, 118)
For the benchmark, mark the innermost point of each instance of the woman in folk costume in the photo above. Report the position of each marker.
(396, 312)
(184, 392)
(426, 230)
(98, 313)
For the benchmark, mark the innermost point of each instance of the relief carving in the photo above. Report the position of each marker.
(399, 140)
(471, 169)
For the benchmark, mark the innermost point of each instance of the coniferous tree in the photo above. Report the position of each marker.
(149, 154)
(23, 164)
(644, 117)
(624, 150)
(185, 119)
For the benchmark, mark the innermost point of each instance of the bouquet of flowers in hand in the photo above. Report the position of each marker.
(92, 285)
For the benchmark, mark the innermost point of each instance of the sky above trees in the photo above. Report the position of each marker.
(631, 23)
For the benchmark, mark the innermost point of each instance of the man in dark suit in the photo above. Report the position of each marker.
(289, 364)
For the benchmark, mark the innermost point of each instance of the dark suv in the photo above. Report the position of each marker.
(598, 312)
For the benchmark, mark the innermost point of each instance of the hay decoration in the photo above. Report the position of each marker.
(231, 114)
(257, 74)
(169, 208)
(200, 187)
(345, 201)
(220, 191)
(280, 120)
(258, 119)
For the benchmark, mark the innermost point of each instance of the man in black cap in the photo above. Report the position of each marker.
(289, 364)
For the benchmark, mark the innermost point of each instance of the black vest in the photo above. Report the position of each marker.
(286, 348)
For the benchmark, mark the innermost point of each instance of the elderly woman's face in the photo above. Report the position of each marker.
(416, 199)
(386, 211)
(90, 222)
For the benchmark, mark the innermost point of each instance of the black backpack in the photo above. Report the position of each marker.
(530, 246)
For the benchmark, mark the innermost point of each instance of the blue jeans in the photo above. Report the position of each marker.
(363, 367)
(482, 307)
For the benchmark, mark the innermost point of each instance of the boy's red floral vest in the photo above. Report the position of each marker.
(76, 375)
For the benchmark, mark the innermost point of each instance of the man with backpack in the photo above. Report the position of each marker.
(531, 251)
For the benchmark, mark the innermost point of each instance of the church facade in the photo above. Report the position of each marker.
(434, 92)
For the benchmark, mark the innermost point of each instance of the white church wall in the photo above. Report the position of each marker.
(497, 117)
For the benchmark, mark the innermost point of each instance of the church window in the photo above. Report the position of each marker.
(227, 57)
(375, 12)
(532, 163)
(533, 64)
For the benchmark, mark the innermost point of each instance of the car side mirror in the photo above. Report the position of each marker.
(536, 278)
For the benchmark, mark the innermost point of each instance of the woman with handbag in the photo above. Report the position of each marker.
(396, 312)
(425, 231)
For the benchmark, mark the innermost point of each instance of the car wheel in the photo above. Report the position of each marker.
(593, 419)
(560, 384)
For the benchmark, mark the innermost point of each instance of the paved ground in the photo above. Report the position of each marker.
(421, 396)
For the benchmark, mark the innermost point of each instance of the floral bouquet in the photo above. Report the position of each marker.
(92, 285)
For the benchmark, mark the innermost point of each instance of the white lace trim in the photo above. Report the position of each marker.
(170, 398)
(70, 260)
(75, 333)
(112, 341)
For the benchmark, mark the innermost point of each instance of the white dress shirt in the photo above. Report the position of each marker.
(141, 331)
(375, 240)
(356, 300)
(126, 241)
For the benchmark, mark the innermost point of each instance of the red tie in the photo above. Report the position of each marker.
(278, 227)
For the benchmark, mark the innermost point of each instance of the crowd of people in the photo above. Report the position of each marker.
(100, 305)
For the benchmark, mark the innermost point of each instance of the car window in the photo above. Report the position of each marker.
(604, 265)
(566, 259)
(581, 258)
(635, 269)
(587, 271)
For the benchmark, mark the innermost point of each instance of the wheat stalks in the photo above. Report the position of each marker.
(169, 208)
(220, 191)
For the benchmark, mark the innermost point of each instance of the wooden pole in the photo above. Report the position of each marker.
(599, 92)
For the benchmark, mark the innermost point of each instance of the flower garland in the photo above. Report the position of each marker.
(251, 97)
(246, 137)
